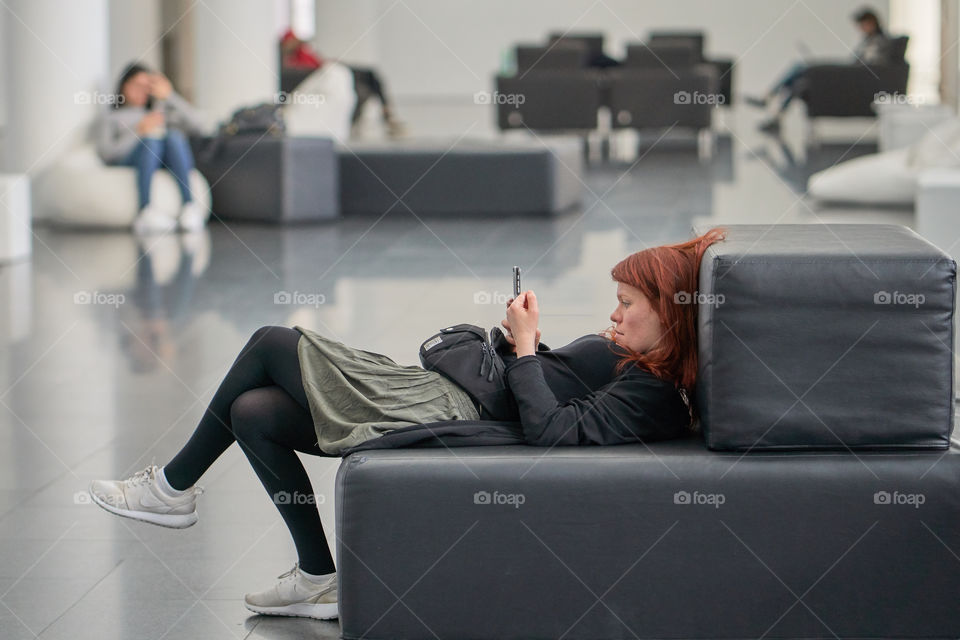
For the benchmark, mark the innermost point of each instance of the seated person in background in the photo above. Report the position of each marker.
(875, 48)
(366, 81)
(145, 129)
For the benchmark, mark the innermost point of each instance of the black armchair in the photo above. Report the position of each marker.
(662, 86)
(849, 90)
(549, 100)
(722, 66)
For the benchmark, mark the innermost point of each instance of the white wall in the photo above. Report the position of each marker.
(428, 48)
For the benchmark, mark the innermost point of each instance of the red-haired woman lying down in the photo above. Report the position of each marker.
(293, 390)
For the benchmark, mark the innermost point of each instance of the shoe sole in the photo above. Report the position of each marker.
(164, 520)
(327, 611)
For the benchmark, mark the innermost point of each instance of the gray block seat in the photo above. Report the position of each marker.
(814, 335)
(466, 177)
(669, 540)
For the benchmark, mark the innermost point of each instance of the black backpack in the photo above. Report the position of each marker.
(463, 354)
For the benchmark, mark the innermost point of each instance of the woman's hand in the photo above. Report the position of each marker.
(149, 122)
(523, 316)
(160, 87)
(508, 336)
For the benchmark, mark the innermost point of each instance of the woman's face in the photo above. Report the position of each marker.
(136, 90)
(637, 325)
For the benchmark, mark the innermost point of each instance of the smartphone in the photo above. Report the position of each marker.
(516, 281)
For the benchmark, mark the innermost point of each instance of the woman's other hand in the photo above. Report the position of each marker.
(160, 87)
(149, 122)
(523, 316)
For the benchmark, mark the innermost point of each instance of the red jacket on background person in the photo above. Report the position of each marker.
(297, 53)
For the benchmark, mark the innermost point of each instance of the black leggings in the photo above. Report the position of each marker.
(262, 406)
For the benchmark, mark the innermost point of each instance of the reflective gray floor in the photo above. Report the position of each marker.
(111, 347)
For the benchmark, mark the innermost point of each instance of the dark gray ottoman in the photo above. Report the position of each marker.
(272, 179)
(668, 540)
(826, 336)
(446, 177)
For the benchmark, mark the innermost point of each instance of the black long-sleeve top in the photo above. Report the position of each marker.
(573, 396)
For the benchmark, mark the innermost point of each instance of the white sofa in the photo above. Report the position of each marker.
(322, 105)
(890, 177)
(80, 190)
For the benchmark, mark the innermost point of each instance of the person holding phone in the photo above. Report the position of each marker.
(146, 129)
(294, 390)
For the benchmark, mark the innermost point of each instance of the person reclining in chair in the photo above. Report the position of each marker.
(292, 389)
(874, 48)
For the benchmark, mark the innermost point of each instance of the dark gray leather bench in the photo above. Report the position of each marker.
(775, 545)
(820, 513)
(467, 177)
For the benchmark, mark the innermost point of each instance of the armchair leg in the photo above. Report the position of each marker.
(705, 144)
(810, 134)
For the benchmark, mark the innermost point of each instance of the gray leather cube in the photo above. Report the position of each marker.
(826, 336)
(272, 179)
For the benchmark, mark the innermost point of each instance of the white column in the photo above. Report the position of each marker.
(134, 35)
(56, 59)
(236, 61)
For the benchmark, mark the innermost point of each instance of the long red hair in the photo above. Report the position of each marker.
(668, 276)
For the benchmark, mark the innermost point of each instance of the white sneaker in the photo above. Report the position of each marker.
(192, 217)
(295, 595)
(141, 498)
(151, 220)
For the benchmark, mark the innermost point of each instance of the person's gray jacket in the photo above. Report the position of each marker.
(875, 49)
(117, 128)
